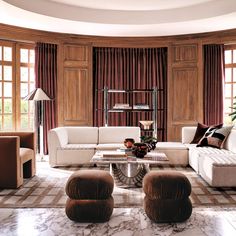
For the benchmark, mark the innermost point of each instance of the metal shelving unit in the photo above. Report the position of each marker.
(153, 109)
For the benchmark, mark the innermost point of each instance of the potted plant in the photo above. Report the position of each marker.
(233, 114)
(150, 141)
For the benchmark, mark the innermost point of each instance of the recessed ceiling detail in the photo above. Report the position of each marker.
(121, 18)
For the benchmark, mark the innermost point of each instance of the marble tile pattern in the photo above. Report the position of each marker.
(123, 222)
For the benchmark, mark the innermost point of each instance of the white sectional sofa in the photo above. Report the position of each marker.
(216, 166)
(77, 145)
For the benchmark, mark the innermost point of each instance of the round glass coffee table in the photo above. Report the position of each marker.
(128, 171)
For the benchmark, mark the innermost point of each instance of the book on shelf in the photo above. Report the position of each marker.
(122, 106)
(113, 154)
(141, 106)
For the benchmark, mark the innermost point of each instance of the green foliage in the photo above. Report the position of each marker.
(233, 114)
(148, 139)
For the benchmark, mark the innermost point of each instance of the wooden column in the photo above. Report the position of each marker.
(76, 88)
(184, 87)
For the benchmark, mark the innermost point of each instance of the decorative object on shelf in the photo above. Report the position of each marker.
(140, 149)
(141, 106)
(233, 114)
(122, 106)
(150, 141)
(129, 142)
(146, 123)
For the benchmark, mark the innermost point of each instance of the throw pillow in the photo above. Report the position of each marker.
(214, 137)
(201, 130)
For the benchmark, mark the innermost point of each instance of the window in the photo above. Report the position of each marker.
(17, 79)
(230, 81)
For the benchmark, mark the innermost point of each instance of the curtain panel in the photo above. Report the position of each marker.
(128, 69)
(46, 79)
(213, 85)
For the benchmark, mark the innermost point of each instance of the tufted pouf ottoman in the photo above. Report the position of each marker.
(89, 196)
(167, 196)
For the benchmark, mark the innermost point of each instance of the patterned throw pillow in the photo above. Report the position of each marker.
(201, 130)
(214, 137)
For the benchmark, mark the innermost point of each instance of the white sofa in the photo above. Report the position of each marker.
(77, 145)
(216, 166)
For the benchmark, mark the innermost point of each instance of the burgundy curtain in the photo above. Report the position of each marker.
(46, 79)
(213, 85)
(131, 68)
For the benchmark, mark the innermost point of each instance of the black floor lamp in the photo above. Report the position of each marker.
(38, 95)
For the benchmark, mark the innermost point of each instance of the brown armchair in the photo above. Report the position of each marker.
(17, 158)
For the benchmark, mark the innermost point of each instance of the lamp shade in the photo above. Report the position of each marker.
(37, 95)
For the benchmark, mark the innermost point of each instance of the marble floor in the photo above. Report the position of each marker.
(124, 222)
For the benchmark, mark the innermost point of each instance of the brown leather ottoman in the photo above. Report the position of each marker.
(89, 196)
(167, 196)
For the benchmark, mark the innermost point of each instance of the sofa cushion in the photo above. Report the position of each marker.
(117, 134)
(82, 135)
(201, 130)
(214, 137)
(110, 146)
(196, 153)
(78, 146)
(170, 145)
(231, 141)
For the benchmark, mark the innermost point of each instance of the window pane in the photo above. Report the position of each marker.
(0, 106)
(7, 89)
(0, 72)
(7, 122)
(24, 55)
(234, 74)
(0, 89)
(24, 106)
(7, 105)
(228, 90)
(234, 56)
(24, 90)
(32, 57)
(228, 75)
(32, 87)
(32, 75)
(0, 122)
(0, 53)
(7, 72)
(234, 92)
(227, 105)
(24, 121)
(228, 57)
(24, 74)
(7, 54)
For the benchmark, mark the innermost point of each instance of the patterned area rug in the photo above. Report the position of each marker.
(46, 189)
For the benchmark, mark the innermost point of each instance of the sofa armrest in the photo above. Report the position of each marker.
(10, 169)
(57, 138)
(188, 134)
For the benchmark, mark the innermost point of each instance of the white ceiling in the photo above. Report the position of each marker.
(121, 17)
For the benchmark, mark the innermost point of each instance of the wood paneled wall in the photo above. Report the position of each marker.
(75, 93)
(184, 87)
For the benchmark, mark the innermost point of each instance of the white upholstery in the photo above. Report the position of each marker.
(176, 152)
(216, 166)
(118, 134)
(110, 146)
(77, 145)
(82, 135)
(188, 134)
